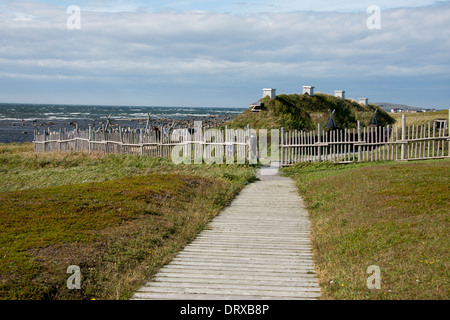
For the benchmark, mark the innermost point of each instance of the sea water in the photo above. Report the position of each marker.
(19, 121)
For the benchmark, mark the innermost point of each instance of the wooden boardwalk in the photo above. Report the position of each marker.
(256, 248)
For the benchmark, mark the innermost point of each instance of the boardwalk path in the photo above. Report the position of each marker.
(256, 248)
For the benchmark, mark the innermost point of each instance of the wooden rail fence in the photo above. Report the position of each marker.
(414, 142)
(147, 142)
(397, 143)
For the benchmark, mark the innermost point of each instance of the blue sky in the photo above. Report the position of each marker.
(215, 53)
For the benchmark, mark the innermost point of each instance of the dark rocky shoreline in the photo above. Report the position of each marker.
(23, 130)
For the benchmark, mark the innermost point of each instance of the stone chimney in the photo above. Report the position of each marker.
(270, 93)
(309, 90)
(364, 101)
(339, 94)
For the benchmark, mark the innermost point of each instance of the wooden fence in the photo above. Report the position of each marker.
(366, 144)
(395, 143)
(215, 143)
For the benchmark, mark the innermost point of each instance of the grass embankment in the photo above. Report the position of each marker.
(393, 215)
(119, 218)
(304, 112)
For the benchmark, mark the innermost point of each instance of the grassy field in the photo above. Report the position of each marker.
(420, 118)
(21, 168)
(392, 215)
(119, 218)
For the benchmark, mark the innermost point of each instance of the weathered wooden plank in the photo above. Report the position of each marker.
(249, 250)
(279, 282)
(186, 296)
(268, 287)
(230, 291)
(257, 276)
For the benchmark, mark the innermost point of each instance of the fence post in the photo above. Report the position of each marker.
(359, 141)
(121, 139)
(59, 138)
(89, 140)
(402, 155)
(34, 141)
(448, 136)
(282, 146)
(248, 144)
(319, 141)
(160, 142)
(229, 147)
(448, 124)
(252, 146)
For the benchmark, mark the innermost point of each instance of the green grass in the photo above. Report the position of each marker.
(420, 118)
(21, 168)
(393, 215)
(119, 218)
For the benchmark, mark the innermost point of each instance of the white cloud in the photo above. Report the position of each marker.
(174, 47)
(258, 6)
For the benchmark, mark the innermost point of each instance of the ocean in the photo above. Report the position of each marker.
(19, 121)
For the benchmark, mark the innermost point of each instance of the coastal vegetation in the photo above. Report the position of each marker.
(389, 214)
(304, 112)
(119, 218)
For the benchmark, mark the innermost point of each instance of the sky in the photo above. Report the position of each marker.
(222, 54)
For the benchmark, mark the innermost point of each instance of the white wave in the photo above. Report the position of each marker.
(17, 119)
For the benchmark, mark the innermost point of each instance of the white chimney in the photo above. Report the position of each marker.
(339, 94)
(270, 93)
(309, 90)
(364, 101)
